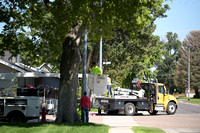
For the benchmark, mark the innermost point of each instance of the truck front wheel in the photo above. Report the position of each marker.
(171, 108)
(129, 109)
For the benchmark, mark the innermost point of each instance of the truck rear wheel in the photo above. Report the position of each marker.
(16, 116)
(129, 109)
(171, 108)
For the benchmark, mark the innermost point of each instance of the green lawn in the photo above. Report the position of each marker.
(147, 130)
(192, 100)
(65, 128)
(53, 128)
(93, 110)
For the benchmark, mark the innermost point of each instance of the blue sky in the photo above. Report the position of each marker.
(183, 17)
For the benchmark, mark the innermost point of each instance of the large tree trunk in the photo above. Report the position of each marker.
(70, 62)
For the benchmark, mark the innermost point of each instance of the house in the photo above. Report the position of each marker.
(14, 74)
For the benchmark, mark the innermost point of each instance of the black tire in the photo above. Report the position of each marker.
(129, 109)
(171, 108)
(15, 117)
(115, 112)
(99, 111)
(153, 113)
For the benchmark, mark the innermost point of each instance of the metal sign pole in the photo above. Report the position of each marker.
(100, 49)
(84, 62)
(188, 73)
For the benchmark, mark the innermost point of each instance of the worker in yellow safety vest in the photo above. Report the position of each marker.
(95, 69)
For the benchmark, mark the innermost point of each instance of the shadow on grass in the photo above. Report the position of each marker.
(28, 125)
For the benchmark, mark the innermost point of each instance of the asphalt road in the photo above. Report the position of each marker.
(187, 108)
(186, 119)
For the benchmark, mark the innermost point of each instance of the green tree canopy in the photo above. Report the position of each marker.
(193, 41)
(132, 57)
(53, 30)
(170, 57)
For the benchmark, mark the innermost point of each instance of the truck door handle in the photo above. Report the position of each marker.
(158, 98)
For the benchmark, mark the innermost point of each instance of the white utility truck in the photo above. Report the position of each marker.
(21, 108)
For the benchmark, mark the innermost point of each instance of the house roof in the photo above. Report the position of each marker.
(20, 67)
(11, 65)
(28, 75)
(45, 64)
(29, 68)
(26, 71)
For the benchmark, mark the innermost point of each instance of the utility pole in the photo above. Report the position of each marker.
(100, 49)
(188, 73)
(84, 63)
(100, 55)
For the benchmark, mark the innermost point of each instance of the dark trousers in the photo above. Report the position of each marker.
(109, 87)
(84, 111)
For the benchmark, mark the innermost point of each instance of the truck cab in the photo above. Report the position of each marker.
(164, 101)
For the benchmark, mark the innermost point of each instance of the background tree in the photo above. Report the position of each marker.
(193, 41)
(132, 57)
(167, 66)
(53, 30)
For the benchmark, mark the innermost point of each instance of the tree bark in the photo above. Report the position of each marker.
(69, 67)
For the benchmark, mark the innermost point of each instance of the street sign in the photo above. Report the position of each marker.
(106, 63)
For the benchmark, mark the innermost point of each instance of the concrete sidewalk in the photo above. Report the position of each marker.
(117, 124)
